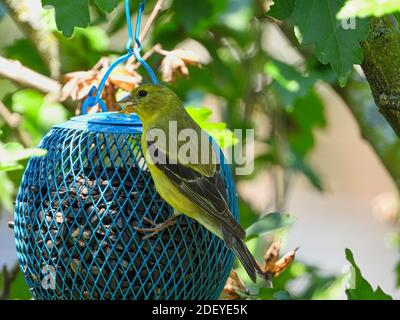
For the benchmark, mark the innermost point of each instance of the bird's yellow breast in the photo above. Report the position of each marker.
(179, 202)
(173, 196)
(166, 188)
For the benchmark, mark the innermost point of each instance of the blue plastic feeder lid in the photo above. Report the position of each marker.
(105, 122)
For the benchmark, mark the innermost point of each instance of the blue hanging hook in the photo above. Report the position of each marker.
(136, 51)
(91, 100)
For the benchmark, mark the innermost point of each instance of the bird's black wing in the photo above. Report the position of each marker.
(208, 193)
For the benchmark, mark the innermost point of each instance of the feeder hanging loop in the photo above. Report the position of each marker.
(91, 100)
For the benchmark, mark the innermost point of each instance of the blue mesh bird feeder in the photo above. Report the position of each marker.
(78, 207)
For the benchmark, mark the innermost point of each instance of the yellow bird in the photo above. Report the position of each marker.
(194, 188)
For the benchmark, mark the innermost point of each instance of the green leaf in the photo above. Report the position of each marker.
(397, 270)
(308, 114)
(268, 223)
(51, 114)
(38, 114)
(106, 5)
(297, 163)
(23, 51)
(273, 294)
(197, 16)
(247, 214)
(366, 8)
(199, 114)
(223, 136)
(70, 14)
(335, 45)
(14, 167)
(282, 9)
(13, 151)
(84, 49)
(309, 111)
(330, 291)
(289, 83)
(6, 88)
(97, 37)
(18, 289)
(7, 188)
(282, 295)
(397, 16)
(360, 289)
(75, 13)
(10, 154)
(303, 112)
(27, 102)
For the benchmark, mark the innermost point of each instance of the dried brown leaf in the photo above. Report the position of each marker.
(282, 264)
(272, 264)
(272, 255)
(175, 62)
(172, 68)
(69, 89)
(125, 79)
(234, 285)
(188, 56)
(83, 89)
(110, 98)
(267, 4)
(77, 85)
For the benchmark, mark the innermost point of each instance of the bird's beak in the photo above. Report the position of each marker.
(127, 105)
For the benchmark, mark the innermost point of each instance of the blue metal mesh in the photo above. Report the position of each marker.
(75, 215)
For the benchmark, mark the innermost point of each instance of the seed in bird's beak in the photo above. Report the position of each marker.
(124, 111)
(125, 104)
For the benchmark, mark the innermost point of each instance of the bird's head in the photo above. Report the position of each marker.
(149, 99)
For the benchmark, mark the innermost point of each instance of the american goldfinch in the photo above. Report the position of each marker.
(196, 189)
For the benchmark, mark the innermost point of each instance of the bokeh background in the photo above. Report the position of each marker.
(312, 160)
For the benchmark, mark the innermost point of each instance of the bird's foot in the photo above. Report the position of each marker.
(157, 227)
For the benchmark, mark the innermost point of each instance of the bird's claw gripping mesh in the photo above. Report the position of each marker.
(76, 217)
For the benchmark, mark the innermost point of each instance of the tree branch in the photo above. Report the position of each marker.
(24, 76)
(29, 20)
(382, 68)
(156, 10)
(157, 48)
(143, 33)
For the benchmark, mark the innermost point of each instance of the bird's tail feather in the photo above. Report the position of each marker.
(244, 255)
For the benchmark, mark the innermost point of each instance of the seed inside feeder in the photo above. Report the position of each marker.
(99, 232)
(76, 213)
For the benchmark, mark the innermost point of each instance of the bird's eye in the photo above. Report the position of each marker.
(142, 93)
